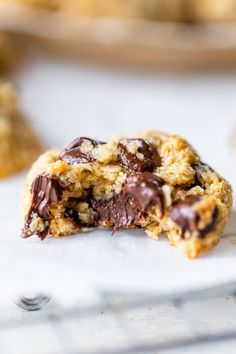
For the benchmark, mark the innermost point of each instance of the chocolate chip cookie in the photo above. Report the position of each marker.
(19, 145)
(152, 181)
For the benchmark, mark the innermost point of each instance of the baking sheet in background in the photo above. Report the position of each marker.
(65, 101)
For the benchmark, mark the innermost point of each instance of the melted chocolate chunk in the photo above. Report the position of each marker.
(148, 160)
(126, 209)
(184, 216)
(118, 212)
(187, 219)
(146, 190)
(45, 191)
(77, 152)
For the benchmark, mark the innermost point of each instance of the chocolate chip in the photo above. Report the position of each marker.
(188, 219)
(45, 191)
(127, 209)
(79, 151)
(146, 190)
(146, 158)
(73, 216)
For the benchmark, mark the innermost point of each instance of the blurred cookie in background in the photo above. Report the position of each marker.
(210, 10)
(154, 34)
(158, 10)
(162, 10)
(8, 52)
(19, 145)
(47, 4)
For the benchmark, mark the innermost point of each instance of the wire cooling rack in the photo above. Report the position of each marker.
(124, 324)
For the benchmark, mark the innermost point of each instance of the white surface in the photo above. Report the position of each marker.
(68, 101)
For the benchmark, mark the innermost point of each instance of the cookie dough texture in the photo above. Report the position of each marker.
(19, 145)
(154, 181)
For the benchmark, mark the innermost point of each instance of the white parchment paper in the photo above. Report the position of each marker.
(64, 101)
